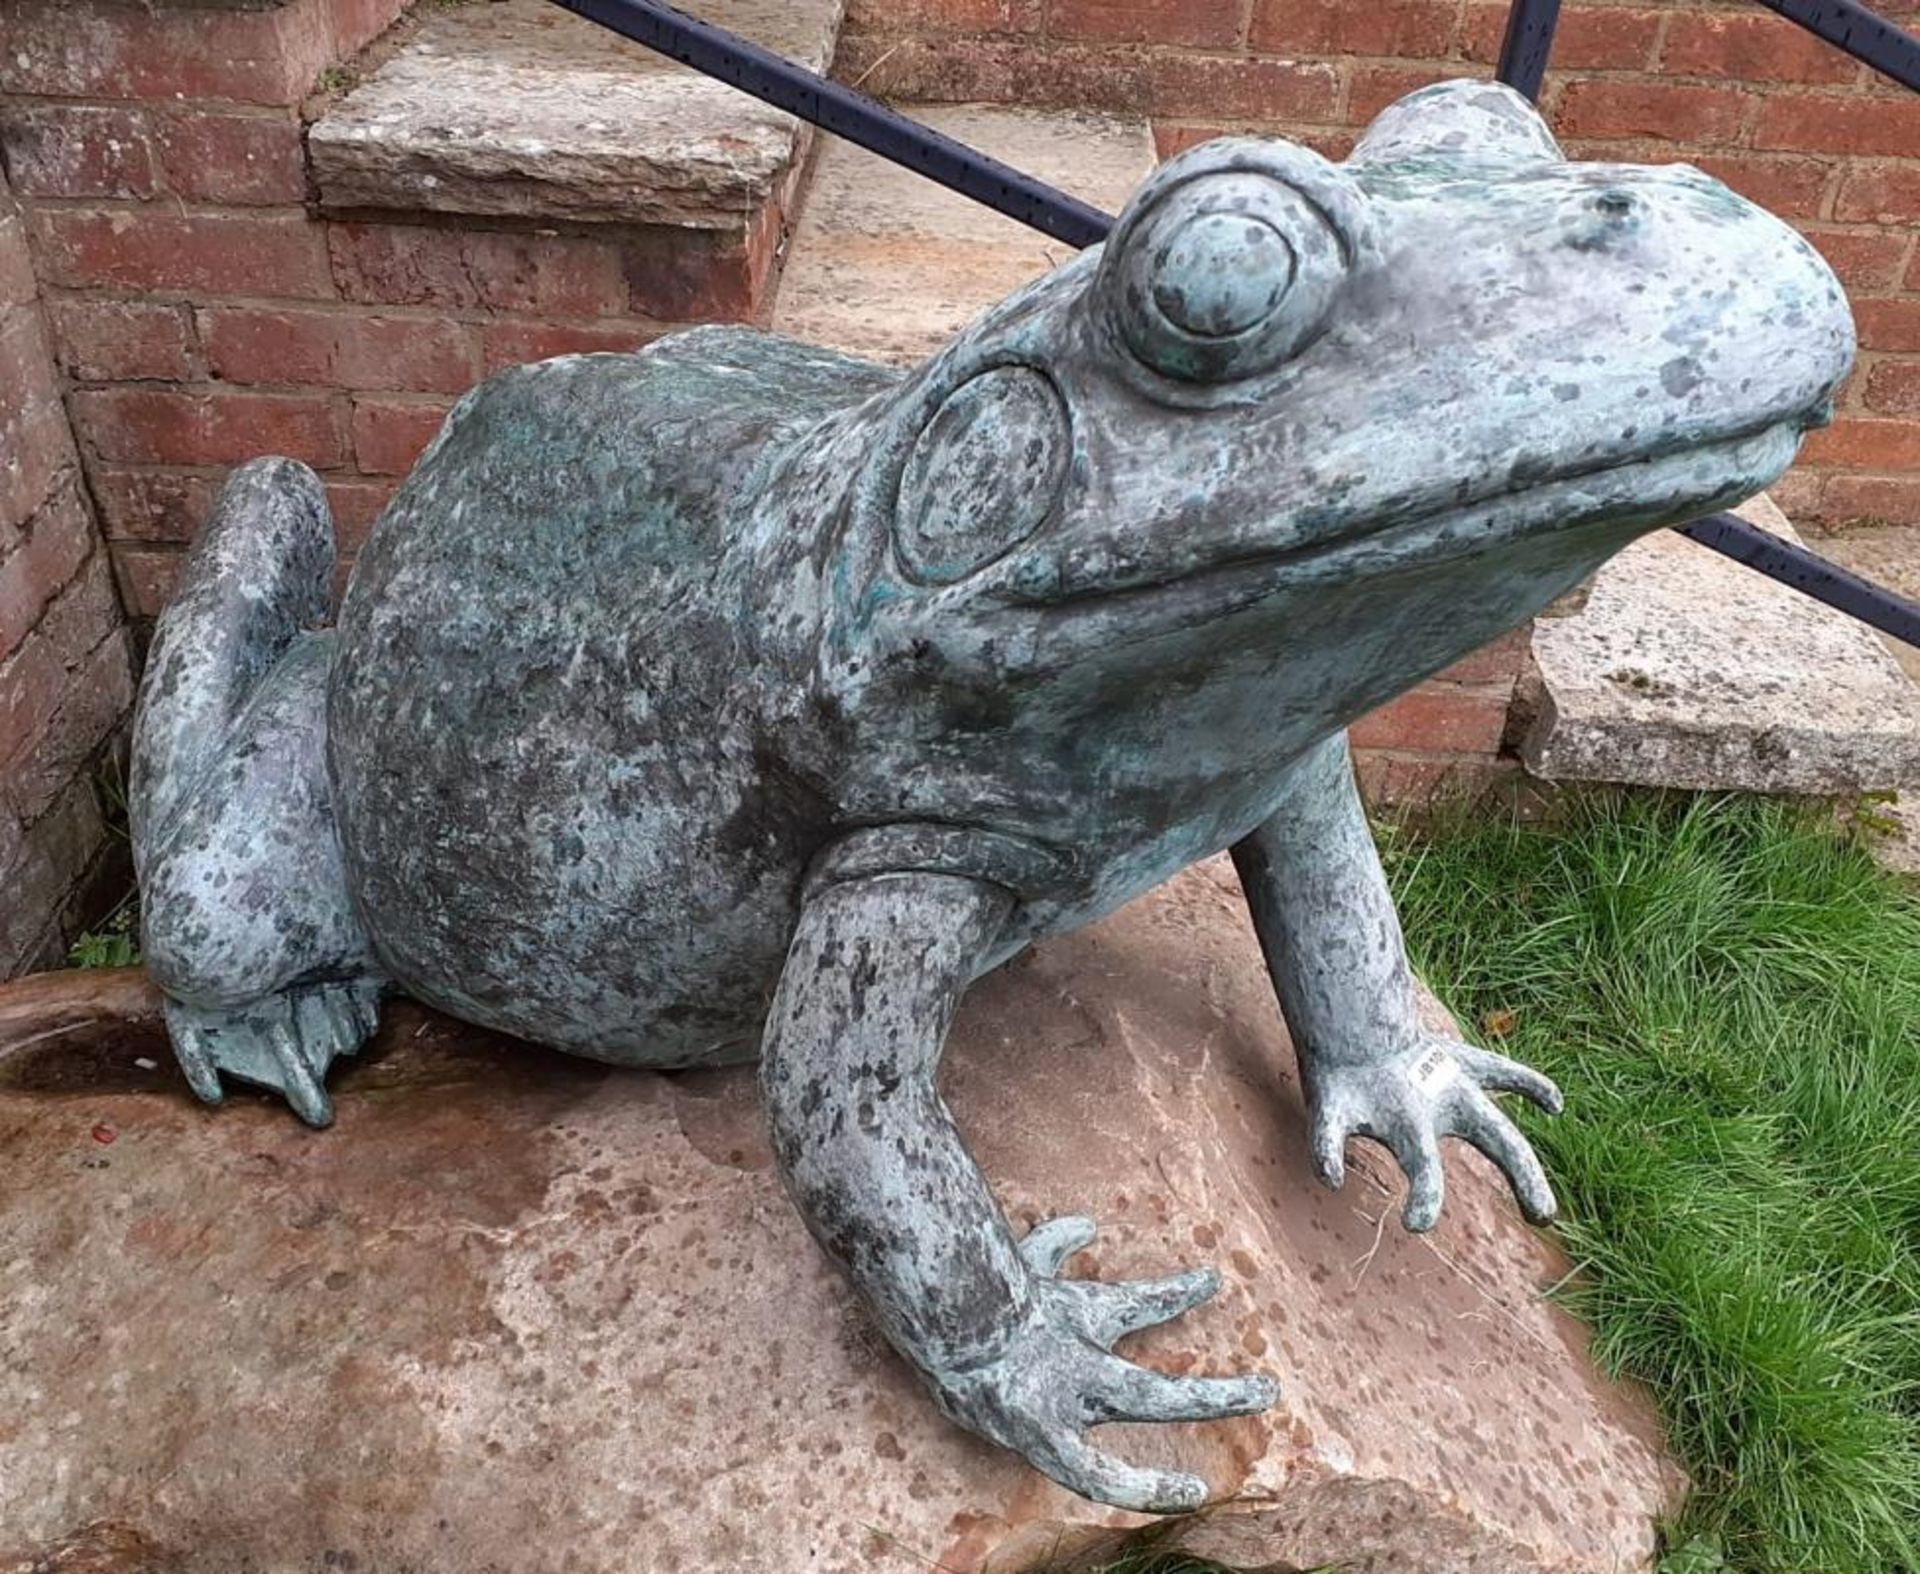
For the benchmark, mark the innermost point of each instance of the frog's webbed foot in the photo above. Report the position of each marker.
(1059, 1376)
(285, 1041)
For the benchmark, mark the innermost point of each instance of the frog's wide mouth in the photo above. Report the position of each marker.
(1629, 496)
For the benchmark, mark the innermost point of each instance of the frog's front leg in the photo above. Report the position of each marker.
(888, 1188)
(1370, 1067)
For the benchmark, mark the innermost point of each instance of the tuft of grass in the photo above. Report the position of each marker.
(1729, 993)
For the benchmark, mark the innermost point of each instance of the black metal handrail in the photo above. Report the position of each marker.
(1524, 53)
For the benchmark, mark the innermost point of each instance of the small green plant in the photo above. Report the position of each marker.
(114, 943)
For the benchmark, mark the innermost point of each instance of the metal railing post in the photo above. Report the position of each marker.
(1528, 43)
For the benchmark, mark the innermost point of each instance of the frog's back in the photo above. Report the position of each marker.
(535, 722)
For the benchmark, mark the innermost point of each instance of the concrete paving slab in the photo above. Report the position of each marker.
(1684, 669)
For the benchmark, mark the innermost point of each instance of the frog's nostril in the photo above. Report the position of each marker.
(1614, 204)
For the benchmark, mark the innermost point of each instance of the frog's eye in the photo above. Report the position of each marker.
(1228, 271)
(983, 475)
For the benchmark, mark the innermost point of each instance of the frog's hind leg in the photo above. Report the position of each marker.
(246, 919)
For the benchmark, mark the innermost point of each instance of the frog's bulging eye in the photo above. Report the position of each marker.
(1222, 274)
(1229, 260)
(1225, 277)
(983, 475)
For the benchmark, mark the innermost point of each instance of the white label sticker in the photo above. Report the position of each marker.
(1434, 1070)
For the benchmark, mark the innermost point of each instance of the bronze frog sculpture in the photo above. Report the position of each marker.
(735, 697)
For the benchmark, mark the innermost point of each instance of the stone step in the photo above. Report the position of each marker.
(518, 109)
(1888, 555)
(886, 264)
(1684, 669)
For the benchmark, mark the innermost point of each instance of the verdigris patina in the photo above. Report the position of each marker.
(735, 697)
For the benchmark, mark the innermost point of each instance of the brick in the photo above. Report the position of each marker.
(56, 543)
(356, 506)
(146, 576)
(1798, 493)
(1422, 29)
(1893, 388)
(943, 16)
(490, 270)
(338, 349)
(1824, 123)
(1408, 779)
(17, 283)
(1751, 47)
(1863, 260)
(36, 678)
(388, 435)
(1201, 24)
(26, 365)
(1790, 187)
(34, 441)
(64, 50)
(53, 856)
(1438, 716)
(245, 160)
(504, 344)
(1879, 194)
(196, 254)
(189, 427)
(77, 150)
(1498, 661)
(1171, 139)
(679, 277)
(1865, 444)
(1888, 324)
(1120, 78)
(1373, 88)
(1871, 500)
(1589, 38)
(1243, 89)
(103, 341)
(356, 23)
(1661, 111)
(151, 505)
(98, 697)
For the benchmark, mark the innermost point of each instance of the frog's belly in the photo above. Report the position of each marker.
(580, 861)
(627, 937)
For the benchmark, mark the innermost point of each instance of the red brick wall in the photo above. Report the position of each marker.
(65, 674)
(1781, 117)
(1790, 123)
(203, 311)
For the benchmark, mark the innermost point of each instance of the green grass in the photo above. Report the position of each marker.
(1729, 993)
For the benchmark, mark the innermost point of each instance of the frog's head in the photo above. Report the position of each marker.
(1389, 407)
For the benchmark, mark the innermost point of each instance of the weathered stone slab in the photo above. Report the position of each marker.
(1888, 555)
(518, 108)
(886, 264)
(519, 1312)
(1684, 669)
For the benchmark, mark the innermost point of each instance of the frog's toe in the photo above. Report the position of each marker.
(1115, 1310)
(1047, 1246)
(193, 1048)
(285, 1042)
